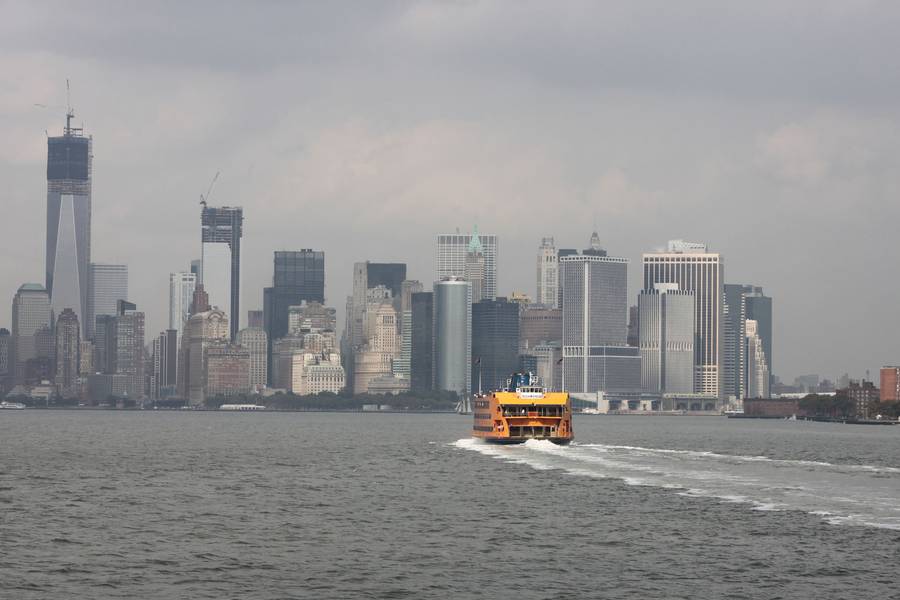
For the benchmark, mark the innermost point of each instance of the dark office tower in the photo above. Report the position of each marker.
(5, 339)
(422, 341)
(221, 274)
(634, 326)
(68, 343)
(68, 219)
(105, 344)
(495, 342)
(298, 275)
(165, 364)
(390, 275)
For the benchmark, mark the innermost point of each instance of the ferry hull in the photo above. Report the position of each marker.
(521, 440)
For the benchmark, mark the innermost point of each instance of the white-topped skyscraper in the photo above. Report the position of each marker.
(694, 269)
(69, 220)
(547, 274)
(450, 255)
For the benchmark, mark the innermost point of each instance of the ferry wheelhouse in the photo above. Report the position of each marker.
(523, 411)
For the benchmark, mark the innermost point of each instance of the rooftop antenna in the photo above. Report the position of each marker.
(70, 114)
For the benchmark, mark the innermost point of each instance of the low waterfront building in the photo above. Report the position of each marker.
(862, 394)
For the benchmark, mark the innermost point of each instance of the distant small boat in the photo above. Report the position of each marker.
(11, 405)
(242, 407)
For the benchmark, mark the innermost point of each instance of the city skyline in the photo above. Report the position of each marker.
(781, 172)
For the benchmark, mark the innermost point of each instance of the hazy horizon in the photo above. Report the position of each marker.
(768, 131)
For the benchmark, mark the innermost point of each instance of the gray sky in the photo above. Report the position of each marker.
(769, 130)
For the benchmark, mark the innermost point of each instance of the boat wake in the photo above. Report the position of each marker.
(863, 495)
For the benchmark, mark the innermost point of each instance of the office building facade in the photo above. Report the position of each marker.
(163, 380)
(757, 376)
(495, 343)
(696, 270)
(129, 348)
(256, 342)
(203, 329)
(68, 346)
(666, 339)
(450, 258)
(31, 313)
(743, 303)
(422, 341)
(594, 351)
(107, 284)
(298, 276)
(539, 325)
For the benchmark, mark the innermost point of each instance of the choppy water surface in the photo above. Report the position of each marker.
(292, 505)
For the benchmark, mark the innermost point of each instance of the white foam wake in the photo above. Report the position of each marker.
(839, 494)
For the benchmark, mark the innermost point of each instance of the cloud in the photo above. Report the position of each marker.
(768, 130)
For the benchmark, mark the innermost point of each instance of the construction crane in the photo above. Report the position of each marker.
(205, 197)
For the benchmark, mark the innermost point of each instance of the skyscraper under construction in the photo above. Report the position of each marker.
(69, 220)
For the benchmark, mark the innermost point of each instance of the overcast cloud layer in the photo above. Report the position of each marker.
(769, 130)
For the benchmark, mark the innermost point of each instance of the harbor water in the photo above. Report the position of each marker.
(145, 504)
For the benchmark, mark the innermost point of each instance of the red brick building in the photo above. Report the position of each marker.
(890, 384)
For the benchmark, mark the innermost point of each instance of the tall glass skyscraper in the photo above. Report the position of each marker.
(69, 220)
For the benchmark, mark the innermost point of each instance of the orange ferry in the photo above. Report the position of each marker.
(523, 411)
